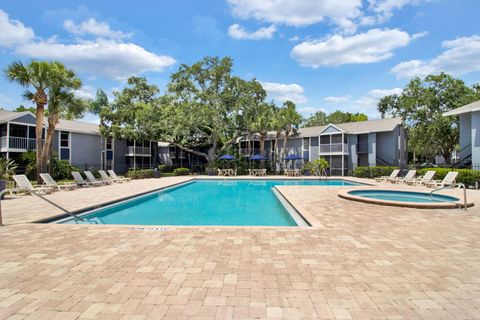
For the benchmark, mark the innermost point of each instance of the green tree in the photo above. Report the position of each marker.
(22, 108)
(37, 78)
(344, 117)
(421, 105)
(319, 118)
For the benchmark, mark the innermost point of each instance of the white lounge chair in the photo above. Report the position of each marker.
(392, 176)
(105, 177)
(118, 178)
(22, 182)
(50, 182)
(422, 180)
(408, 177)
(91, 178)
(448, 181)
(84, 183)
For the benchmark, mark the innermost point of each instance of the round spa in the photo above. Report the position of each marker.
(401, 198)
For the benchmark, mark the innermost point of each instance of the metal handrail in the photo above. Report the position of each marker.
(458, 186)
(39, 196)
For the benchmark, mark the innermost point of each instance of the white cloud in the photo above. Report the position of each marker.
(298, 12)
(92, 27)
(367, 104)
(282, 92)
(337, 100)
(100, 57)
(86, 92)
(236, 31)
(460, 56)
(13, 32)
(384, 9)
(372, 46)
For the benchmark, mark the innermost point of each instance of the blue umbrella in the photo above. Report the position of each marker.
(293, 157)
(257, 157)
(227, 157)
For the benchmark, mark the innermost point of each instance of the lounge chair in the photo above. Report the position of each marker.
(422, 180)
(106, 178)
(410, 176)
(392, 176)
(117, 178)
(84, 183)
(91, 178)
(448, 181)
(50, 182)
(22, 182)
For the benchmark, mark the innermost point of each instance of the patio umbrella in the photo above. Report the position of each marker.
(292, 157)
(257, 157)
(227, 157)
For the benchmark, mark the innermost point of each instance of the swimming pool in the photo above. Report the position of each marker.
(208, 203)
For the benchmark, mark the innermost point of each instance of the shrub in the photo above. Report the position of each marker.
(167, 174)
(465, 176)
(140, 174)
(373, 172)
(163, 168)
(181, 171)
(62, 170)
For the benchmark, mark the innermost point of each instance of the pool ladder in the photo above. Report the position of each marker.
(39, 196)
(458, 186)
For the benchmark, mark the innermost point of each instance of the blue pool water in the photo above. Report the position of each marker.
(207, 202)
(403, 196)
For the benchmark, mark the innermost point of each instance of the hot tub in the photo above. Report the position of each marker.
(402, 198)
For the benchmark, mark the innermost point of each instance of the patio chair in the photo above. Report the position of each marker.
(422, 180)
(393, 175)
(408, 177)
(84, 183)
(50, 182)
(115, 177)
(22, 182)
(91, 178)
(448, 181)
(105, 177)
(262, 172)
(252, 172)
(297, 173)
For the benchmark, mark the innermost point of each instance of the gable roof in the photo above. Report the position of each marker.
(474, 106)
(78, 126)
(379, 125)
(6, 116)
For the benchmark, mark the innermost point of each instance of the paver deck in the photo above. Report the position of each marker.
(359, 261)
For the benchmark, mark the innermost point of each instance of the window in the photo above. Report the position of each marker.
(64, 145)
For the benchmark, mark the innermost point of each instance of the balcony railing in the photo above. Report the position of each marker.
(334, 148)
(138, 151)
(19, 143)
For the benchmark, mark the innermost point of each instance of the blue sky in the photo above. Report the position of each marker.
(322, 54)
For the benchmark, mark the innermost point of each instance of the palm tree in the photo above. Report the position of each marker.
(291, 119)
(277, 125)
(61, 101)
(37, 76)
(41, 80)
(262, 124)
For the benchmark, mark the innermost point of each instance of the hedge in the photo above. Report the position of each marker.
(465, 176)
(373, 172)
(181, 171)
(140, 174)
(163, 168)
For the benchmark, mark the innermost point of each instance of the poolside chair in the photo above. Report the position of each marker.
(50, 182)
(408, 177)
(118, 178)
(422, 180)
(22, 182)
(91, 178)
(84, 183)
(448, 181)
(105, 177)
(393, 175)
